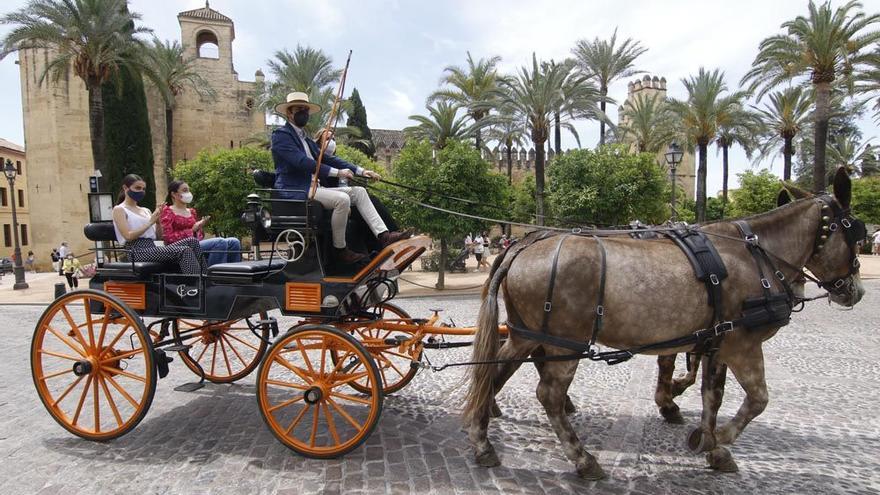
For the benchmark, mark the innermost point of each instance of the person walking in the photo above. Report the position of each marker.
(56, 260)
(63, 251)
(71, 269)
(876, 239)
(29, 262)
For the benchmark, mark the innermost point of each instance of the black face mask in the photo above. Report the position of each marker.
(301, 118)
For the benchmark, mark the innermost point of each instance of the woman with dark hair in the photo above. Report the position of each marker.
(135, 227)
(181, 222)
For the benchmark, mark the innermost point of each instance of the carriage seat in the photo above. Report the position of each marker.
(288, 213)
(245, 270)
(104, 232)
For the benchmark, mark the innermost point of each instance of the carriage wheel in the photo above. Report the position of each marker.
(301, 397)
(227, 351)
(395, 367)
(94, 372)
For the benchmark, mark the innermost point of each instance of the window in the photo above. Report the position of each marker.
(21, 198)
(18, 166)
(3, 200)
(7, 235)
(207, 46)
(24, 233)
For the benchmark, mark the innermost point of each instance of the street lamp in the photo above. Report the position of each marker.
(673, 159)
(18, 268)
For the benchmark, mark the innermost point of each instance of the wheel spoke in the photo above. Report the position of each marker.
(53, 375)
(234, 351)
(225, 355)
(243, 342)
(199, 359)
(73, 345)
(384, 378)
(74, 327)
(323, 358)
(214, 357)
(393, 366)
(91, 328)
(286, 384)
(297, 419)
(124, 355)
(331, 424)
(67, 390)
(305, 357)
(82, 399)
(344, 414)
(116, 339)
(122, 391)
(58, 355)
(110, 399)
(297, 370)
(316, 412)
(104, 323)
(351, 398)
(96, 404)
(286, 403)
(124, 373)
(349, 379)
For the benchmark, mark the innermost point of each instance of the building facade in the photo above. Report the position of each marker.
(56, 128)
(19, 195)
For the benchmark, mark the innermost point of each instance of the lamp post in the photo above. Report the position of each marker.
(18, 268)
(673, 158)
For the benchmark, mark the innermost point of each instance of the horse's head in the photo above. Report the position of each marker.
(834, 260)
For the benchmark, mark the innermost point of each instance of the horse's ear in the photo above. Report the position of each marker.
(842, 187)
(796, 192)
(783, 198)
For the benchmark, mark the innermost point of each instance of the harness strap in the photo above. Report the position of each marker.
(755, 251)
(600, 304)
(548, 302)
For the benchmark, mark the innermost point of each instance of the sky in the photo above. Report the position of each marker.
(401, 47)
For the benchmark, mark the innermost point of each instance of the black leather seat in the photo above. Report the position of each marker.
(245, 270)
(142, 268)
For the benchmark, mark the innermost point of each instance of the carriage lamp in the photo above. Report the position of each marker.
(18, 269)
(673, 158)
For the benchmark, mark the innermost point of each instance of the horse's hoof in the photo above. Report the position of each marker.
(488, 458)
(495, 412)
(698, 441)
(591, 471)
(569, 406)
(721, 460)
(672, 415)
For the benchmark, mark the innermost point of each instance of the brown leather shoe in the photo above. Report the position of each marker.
(348, 257)
(387, 238)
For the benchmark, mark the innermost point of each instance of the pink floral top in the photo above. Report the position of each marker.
(176, 227)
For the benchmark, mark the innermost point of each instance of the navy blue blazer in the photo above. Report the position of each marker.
(294, 168)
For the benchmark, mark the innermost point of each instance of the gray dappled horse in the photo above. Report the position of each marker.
(651, 295)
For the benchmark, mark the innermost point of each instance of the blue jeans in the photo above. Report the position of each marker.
(221, 250)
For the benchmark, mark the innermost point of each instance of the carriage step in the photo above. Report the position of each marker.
(396, 340)
(189, 387)
(178, 348)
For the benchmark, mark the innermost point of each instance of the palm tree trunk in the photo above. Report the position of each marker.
(96, 131)
(558, 138)
(441, 270)
(509, 166)
(786, 155)
(701, 183)
(725, 171)
(539, 182)
(823, 103)
(169, 140)
(602, 122)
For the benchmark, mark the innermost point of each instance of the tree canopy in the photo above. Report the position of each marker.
(756, 194)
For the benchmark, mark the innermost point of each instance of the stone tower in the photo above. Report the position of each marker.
(647, 87)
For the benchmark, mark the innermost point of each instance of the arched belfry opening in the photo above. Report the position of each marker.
(207, 45)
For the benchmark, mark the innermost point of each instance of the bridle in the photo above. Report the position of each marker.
(835, 218)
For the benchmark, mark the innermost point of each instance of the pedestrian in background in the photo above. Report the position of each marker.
(63, 251)
(29, 262)
(71, 270)
(56, 258)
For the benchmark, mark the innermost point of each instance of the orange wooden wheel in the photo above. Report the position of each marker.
(94, 372)
(394, 365)
(302, 398)
(226, 350)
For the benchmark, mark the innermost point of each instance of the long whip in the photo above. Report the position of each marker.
(331, 122)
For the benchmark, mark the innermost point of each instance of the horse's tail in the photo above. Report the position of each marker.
(486, 341)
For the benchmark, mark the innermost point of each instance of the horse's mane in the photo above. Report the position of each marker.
(759, 216)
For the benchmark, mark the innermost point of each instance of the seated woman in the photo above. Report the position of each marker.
(135, 228)
(180, 222)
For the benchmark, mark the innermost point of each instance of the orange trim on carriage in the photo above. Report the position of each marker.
(302, 297)
(132, 294)
(387, 258)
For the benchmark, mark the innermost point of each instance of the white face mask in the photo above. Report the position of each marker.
(186, 197)
(331, 147)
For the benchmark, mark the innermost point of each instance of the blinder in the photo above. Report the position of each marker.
(854, 231)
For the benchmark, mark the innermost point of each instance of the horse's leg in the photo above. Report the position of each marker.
(569, 405)
(679, 385)
(512, 350)
(663, 394)
(748, 368)
(556, 376)
(702, 438)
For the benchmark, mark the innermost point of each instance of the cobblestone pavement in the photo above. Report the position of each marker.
(819, 434)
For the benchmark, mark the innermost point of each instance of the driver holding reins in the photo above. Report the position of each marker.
(295, 155)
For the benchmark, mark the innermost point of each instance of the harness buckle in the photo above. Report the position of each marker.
(780, 275)
(846, 223)
(833, 227)
(714, 279)
(548, 306)
(839, 283)
(765, 283)
(752, 239)
(600, 310)
(576, 230)
(723, 327)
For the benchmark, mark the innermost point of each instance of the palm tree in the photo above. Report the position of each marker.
(647, 122)
(824, 46)
(171, 74)
(535, 93)
(442, 124)
(471, 88)
(857, 158)
(782, 119)
(736, 126)
(96, 38)
(508, 130)
(602, 60)
(307, 69)
(699, 118)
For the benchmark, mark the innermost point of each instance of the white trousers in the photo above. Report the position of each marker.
(341, 199)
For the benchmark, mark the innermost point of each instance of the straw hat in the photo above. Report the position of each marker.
(297, 98)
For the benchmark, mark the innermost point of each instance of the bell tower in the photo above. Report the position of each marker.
(207, 36)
